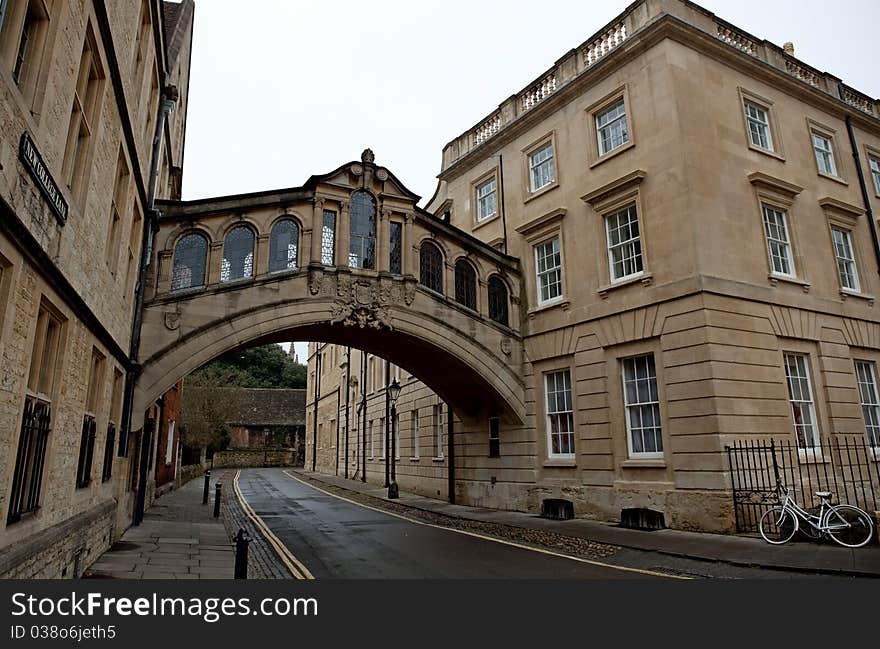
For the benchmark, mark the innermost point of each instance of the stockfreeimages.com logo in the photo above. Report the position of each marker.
(209, 609)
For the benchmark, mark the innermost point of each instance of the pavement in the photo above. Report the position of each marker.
(178, 539)
(824, 557)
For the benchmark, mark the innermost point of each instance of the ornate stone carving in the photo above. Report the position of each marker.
(409, 290)
(172, 320)
(316, 279)
(506, 346)
(382, 174)
(357, 169)
(368, 156)
(365, 317)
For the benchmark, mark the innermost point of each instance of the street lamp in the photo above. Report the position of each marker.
(393, 393)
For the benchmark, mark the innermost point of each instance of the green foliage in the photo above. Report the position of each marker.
(268, 366)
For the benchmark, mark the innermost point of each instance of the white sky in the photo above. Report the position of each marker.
(282, 89)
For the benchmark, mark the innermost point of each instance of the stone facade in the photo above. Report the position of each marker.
(720, 127)
(241, 458)
(84, 99)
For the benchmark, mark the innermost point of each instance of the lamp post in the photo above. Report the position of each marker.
(393, 393)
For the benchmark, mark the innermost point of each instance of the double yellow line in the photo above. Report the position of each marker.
(294, 565)
(493, 539)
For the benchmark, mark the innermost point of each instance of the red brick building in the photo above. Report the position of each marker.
(168, 434)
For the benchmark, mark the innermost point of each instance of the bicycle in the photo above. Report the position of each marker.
(848, 525)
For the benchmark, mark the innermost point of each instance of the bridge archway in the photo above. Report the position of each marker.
(472, 361)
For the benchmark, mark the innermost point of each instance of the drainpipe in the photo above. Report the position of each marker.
(315, 405)
(347, 403)
(450, 455)
(501, 202)
(151, 226)
(863, 186)
(338, 404)
(364, 416)
(387, 446)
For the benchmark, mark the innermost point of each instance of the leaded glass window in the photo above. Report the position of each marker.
(396, 259)
(328, 238)
(238, 255)
(431, 267)
(465, 284)
(362, 241)
(190, 257)
(497, 300)
(283, 246)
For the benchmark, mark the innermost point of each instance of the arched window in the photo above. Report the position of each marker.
(465, 284)
(283, 246)
(497, 300)
(431, 267)
(362, 231)
(238, 255)
(190, 256)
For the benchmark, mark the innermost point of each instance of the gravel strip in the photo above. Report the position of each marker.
(536, 538)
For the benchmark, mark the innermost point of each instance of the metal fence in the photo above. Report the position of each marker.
(844, 465)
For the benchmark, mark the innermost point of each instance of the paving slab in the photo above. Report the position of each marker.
(179, 538)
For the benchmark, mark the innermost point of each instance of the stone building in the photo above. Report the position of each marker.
(85, 91)
(692, 207)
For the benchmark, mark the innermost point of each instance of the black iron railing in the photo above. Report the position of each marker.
(27, 478)
(845, 465)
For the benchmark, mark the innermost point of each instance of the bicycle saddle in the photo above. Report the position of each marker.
(824, 495)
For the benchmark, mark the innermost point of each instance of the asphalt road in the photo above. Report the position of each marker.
(337, 539)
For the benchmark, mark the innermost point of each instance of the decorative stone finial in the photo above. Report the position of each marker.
(368, 156)
(788, 48)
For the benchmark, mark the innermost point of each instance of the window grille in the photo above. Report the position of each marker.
(190, 258)
(396, 254)
(238, 255)
(328, 238)
(283, 246)
(27, 478)
(362, 243)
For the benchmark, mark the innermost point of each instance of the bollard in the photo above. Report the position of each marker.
(207, 487)
(242, 540)
(217, 500)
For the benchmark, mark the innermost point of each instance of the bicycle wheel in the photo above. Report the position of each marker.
(849, 526)
(778, 525)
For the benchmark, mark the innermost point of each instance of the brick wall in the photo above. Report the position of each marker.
(170, 413)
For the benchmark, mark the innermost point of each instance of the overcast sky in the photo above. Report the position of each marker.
(283, 89)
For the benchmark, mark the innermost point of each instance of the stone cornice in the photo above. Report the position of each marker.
(622, 184)
(830, 203)
(760, 179)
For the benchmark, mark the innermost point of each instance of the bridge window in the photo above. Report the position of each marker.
(362, 245)
(238, 255)
(497, 300)
(283, 246)
(465, 284)
(396, 255)
(431, 267)
(190, 255)
(328, 238)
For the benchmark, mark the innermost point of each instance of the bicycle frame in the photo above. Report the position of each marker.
(815, 521)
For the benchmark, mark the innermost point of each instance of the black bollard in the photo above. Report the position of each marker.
(217, 500)
(242, 540)
(207, 487)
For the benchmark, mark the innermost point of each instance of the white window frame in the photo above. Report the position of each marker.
(809, 403)
(618, 119)
(771, 239)
(169, 444)
(539, 274)
(823, 151)
(761, 122)
(415, 433)
(630, 407)
(536, 165)
(845, 256)
(874, 166)
(638, 258)
(483, 202)
(866, 380)
(566, 414)
(438, 431)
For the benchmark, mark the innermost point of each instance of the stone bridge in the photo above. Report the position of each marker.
(348, 258)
